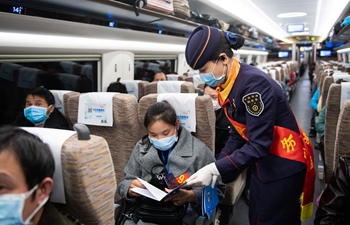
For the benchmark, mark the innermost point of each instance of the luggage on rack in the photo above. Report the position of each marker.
(224, 26)
(163, 6)
(253, 33)
(135, 3)
(182, 9)
(243, 30)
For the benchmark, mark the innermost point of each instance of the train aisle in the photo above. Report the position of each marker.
(301, 105)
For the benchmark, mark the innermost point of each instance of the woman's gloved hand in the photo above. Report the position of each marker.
(204, 176)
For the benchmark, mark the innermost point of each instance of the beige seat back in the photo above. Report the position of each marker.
(124, 133)
(331, 119)
(61, 101)
(328, 80)
(195, 80)
(141, 85)
(342, 138)
(186, 87)
(205, 118)
(88, 178)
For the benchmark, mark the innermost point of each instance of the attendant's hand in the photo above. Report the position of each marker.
(204, 176)
(135, 183)
(181, 197)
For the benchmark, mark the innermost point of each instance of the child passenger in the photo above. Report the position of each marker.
(167, 149)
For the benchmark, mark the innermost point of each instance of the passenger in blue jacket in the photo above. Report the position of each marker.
(264, 135)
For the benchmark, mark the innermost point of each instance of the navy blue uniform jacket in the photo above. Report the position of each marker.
(238, 153)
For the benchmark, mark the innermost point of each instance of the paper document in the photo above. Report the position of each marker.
(153, 192)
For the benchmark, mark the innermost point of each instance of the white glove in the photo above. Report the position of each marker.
(204, 176)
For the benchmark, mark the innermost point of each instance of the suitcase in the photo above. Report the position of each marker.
(163, 6)
(182, 9)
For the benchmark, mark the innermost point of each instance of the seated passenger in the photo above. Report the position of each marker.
(222, 125)
(334, 205)
(167, 150)
(40, 111)
(160, 76)
(26, 171)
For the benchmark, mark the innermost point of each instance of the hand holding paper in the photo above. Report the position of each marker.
(153, 192)
(204, 176)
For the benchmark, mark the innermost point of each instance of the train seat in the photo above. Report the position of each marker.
(124, 133)
(135, 87)
(170, 87)
(8, 87)
(342, 138)
(29, 78)
(71, 67)
(61, 100)
(333, 106)
(328, 80)
(86, 70)
(75, 82)
(174, 77)
(87, 176)
(196, 80)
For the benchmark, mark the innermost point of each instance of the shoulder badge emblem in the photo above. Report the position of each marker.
(253, 103)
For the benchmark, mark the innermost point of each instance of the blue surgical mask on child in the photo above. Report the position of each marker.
(36, 115)
(11, 208)
(211, 80)
(164, 144)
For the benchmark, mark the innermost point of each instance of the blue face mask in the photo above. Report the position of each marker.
(11, 208)
(211, 80)
(164, 144)
(36, 115)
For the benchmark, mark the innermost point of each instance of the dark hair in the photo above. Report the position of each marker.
(44, 93)
(151, 74)
(222, 47)
(166, 77)
(341, 80)
(34, 156)
(159, 111)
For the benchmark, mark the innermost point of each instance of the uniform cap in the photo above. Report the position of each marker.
(201, 46)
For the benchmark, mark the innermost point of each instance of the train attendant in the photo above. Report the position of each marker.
(168, 154)
(265, 133)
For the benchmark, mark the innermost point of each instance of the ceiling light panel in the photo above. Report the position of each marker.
(291, 14)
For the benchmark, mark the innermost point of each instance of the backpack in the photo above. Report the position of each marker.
(117, 87)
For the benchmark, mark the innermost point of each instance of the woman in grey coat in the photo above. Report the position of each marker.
(167, 147)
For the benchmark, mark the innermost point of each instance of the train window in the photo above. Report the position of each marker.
(254, 57)
(17, 77)
(243, 59)
(144, 66)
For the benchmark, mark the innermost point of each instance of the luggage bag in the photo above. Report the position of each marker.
(162, 6)
(182, 9)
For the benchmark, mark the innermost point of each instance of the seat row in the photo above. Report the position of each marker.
(333, 97)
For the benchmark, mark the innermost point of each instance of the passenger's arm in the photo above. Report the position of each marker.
(314, 99)
(320, 123)
(335, 199)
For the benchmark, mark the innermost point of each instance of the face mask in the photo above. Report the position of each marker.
(216, 105)
(164, 144)
(36, 115)
(11, 208)
(211, 80)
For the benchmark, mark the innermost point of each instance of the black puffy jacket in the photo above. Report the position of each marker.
(334, 207)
